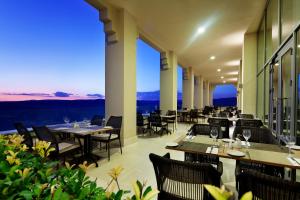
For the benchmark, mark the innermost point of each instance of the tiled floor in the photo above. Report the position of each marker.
(136, 163)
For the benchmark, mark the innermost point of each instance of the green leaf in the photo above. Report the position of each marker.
(215, 192)
(140, 186)
(119, 195)
(148, 189)
(247, 196)
(60, 195)
(26, 194)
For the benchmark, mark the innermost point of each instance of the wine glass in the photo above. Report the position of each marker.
(247, 135)
(86, 122)
(290, 140)
(214, 134)
(66, 120)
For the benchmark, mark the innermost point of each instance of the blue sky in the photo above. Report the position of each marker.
(55, 48)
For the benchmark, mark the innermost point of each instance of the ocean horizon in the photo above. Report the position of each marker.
(47, 112)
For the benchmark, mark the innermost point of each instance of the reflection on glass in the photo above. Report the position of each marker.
(290, 16)
(286, 90)
(272, 39)
(261, 47)
(267, 94)
(274, 93)
(260, 96)
(298, 82)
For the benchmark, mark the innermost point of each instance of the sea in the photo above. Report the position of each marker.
(47, 112)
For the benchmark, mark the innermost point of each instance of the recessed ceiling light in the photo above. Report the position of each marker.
(222, 77)
(212, 57)
(224, 81)
(218, 70)
(298, 46)
(201, 30)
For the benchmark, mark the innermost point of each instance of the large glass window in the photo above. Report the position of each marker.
(298, 83)
(267, 94)
(290, 16)
(261, 47)
(272, 39)
(260, 96)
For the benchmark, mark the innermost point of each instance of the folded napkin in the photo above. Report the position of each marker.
(190, 137)
(212, 150)
(294, 161)
(244, 143)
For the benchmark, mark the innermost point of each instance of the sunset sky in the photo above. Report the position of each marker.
(54, 49)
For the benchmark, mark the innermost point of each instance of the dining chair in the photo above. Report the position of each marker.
(223, 123)
(180, 180)
(23, 131)
(249, 122)
(194, 115)
(268, 187)
(62, 148)
(97, 120)
(140, 123)
(171, 120)
(246, 116)
(112, 135)
(157, 124)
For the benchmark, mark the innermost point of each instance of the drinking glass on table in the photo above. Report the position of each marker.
(214, 134)
(290, 141)
(247, 135)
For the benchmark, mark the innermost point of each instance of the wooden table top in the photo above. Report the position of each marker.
(270, 154)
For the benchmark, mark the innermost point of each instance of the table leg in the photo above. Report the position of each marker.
(88, 156)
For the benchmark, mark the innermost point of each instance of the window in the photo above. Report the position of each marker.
(260, 96)
(290, 16)
(272, 39)
(261, 47)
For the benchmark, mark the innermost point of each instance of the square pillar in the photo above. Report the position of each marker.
(168, 81)
(249, 64)
(198, 90)
(211, 94)
(206, 100)
(188, 88)
(120, 74)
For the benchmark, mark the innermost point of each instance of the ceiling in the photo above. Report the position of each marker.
(173, 24)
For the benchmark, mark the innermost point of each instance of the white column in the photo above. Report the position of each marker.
(120, 74)
(249, 63)
(188, 88)
(168, 81)
(198, 90)
(211, 91)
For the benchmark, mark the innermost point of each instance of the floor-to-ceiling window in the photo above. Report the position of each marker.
(272, 31)
(260, 96)
(298, 84)
(179, 87)
(267, 95)
(261, 46)
(290, 15)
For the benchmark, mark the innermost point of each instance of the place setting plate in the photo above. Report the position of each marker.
(172, 144)
(228, 140)
(295, 147)
(236, 153)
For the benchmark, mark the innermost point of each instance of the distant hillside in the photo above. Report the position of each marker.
(152, 96)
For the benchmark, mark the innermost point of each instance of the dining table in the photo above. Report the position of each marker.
(260, 153)
(82, 131)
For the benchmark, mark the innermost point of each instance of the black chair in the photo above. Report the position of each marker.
(23, 131)
(157, 124)
(267, 187)
(62, 148)
(203, 129)
(194, 115)
(258, 135)
(249, 122)
(223, 123)
(171, 120)
(178, 180)
(246, 116)
(97, 120)
(110, 136)
(140, 122)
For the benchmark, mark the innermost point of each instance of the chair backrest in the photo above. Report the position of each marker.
(22, 130)
(194, 113)
(115, 122)
(258, 135)
(246, 116)
(97, 120)
(155, 119)
(268, 187)
(204, 129)
(44, 134)
(171, 112)
(183, 180)
(223, 123)
(249, 122)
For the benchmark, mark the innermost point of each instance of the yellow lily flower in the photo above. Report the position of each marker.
(12, 158)
(43, 148)
(24, 147)
(23, 173)
(16, 140)
(84, 166)
(68, 166)
(115, 172)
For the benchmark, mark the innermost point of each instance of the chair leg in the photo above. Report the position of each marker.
(108, 145)
(120, 145)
